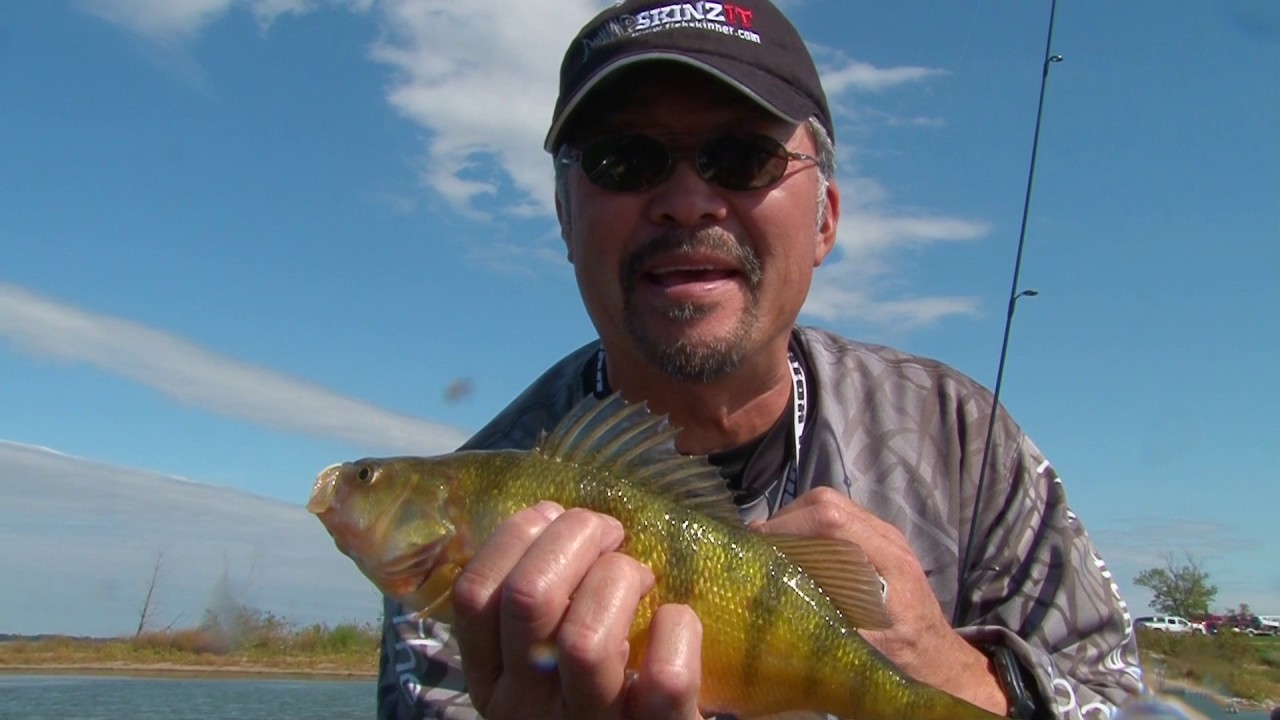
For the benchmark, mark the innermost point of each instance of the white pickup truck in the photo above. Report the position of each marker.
(1169, 623)
(1268, 625)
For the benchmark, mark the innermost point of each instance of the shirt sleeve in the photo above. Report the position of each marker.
(419, 673)
(1041, 588)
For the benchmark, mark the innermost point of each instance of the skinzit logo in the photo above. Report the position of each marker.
(723, 18)
(729, 16)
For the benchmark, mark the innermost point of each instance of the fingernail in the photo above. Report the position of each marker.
(550, 510)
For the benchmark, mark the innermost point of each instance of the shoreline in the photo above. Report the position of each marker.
(178, 670)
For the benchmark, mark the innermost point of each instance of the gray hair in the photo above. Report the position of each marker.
(821, 140)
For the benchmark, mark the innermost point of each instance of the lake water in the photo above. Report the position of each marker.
(60, 697)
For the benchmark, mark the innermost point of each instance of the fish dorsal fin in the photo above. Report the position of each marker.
(633, 446)
(843, 572)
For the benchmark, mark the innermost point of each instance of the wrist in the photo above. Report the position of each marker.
(965, 671)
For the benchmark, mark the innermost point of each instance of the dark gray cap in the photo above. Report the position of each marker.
(749, 45)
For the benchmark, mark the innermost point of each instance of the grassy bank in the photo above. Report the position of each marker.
(263, 644)
(1231, 664)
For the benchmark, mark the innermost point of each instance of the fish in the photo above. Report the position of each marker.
(780, 614)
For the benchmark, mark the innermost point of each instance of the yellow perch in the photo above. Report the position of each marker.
(779, 614)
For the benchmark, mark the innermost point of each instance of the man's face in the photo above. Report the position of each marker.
(688, 275)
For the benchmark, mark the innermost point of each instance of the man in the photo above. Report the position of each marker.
(695, 192)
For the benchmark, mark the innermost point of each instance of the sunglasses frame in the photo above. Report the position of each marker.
(774, 146)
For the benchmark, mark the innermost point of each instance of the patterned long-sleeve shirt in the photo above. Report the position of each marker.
(904, 437)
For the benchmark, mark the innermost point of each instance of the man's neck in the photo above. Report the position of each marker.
(710, 416)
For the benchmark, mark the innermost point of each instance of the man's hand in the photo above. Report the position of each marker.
(542, 614)
(920, 640)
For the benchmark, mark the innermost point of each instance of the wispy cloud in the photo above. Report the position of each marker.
(1227, 553)
(170, 22)
(858, 280)
(79, 541)
(1150, 540)
(856, 75)
(165, 22)
(191, 374)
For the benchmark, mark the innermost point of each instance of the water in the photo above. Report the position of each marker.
(73, 697)
(1205, 706)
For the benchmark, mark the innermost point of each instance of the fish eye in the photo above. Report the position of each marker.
(364, 474)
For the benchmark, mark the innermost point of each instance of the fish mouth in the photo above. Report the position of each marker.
(325, 490)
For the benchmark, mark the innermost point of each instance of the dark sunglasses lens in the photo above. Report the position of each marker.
(625, 163)
(743, 162)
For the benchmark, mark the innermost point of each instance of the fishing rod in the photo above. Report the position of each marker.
(1014, 292)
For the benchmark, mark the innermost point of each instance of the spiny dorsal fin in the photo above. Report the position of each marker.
(843, 572)
(633, 446)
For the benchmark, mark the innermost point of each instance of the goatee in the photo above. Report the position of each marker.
(684, 360)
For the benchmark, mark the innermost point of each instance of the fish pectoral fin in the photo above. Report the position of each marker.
(433, 595)
(843, 572)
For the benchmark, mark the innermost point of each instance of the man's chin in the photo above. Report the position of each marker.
(692, 354)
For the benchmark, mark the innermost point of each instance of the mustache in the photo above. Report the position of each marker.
(712, 240)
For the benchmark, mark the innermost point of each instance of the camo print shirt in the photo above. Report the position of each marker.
(903, 436)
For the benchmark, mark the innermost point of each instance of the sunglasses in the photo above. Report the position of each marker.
(635, 162)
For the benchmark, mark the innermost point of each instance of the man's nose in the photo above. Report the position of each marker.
(687, 200)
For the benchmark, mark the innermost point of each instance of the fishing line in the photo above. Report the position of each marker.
(1014, 293)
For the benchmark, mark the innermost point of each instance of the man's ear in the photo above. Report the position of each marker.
(826, 239)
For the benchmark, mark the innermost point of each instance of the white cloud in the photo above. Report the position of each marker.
(79, 541)
(856, 75)
(166, 22)
(481, 78)
(208, 380)
(170, 22)
(832, 298)
(854, 282)
(266, 11)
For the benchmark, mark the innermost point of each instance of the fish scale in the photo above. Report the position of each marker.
(779, 614)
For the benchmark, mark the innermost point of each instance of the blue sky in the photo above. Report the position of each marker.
(243, 239)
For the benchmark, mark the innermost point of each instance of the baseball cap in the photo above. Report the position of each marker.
(748, 44)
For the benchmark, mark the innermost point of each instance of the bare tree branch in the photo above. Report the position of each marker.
(148, 607)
